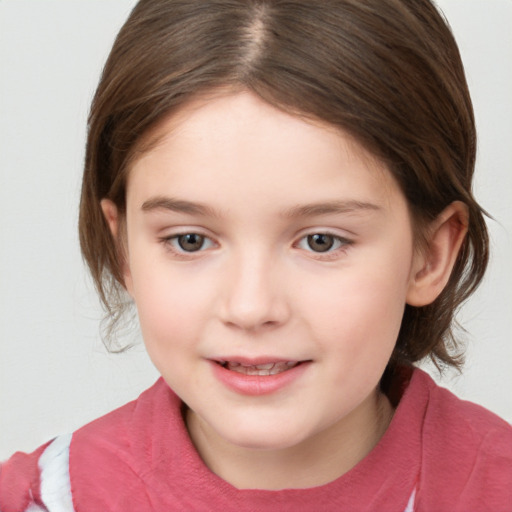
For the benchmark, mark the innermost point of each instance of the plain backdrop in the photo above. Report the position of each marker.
(55, 374)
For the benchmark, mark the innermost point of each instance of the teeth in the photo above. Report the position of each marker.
(267, 366)
(260, 369)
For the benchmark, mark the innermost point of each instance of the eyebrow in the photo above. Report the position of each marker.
(307, 210)
(329, 208)
(178, 206)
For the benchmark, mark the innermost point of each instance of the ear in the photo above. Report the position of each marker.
(433, 265)
(112, 217)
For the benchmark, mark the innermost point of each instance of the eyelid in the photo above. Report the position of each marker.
(168, 239)
(343, 244)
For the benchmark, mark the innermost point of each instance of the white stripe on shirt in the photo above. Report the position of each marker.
(55, 482)
(410, 503)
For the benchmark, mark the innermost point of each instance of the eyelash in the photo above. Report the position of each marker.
(172, 243)
(340, 244)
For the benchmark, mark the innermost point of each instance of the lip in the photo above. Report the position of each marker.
(252, 361)
(256, 385)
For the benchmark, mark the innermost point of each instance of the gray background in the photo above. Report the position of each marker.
(54, 372)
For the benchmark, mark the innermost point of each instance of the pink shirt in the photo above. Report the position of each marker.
(438, 454)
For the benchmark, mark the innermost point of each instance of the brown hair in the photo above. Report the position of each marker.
(386, 71)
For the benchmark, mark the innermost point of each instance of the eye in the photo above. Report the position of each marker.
(322, 242)
(189, 242)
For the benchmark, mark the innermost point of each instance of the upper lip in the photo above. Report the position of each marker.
(254, 361)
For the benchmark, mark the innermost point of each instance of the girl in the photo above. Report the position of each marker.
(284, 190)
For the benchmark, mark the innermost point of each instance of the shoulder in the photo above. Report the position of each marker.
(466, 453)
(98, 457)
(463, 425)
(126, 430)
(38, 481)
(116, 452)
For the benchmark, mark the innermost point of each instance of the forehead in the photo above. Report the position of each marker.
(242, 140)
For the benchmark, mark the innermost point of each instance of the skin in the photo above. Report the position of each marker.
(258, 287)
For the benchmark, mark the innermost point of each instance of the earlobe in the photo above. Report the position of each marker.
(433, 266)
(111, 213)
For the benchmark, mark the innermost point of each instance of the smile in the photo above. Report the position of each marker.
(258, 377)
(259, 369)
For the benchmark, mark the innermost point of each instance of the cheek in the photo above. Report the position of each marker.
(170, 303)
(359, 312)
(170, 325)
(356, 335)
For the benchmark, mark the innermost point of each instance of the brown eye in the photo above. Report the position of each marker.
(190, 242)
(320, 242)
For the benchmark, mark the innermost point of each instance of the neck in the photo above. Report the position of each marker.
(316, 461)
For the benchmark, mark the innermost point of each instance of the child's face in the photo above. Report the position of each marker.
(255, 237)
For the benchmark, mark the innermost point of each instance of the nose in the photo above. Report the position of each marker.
(254, 295)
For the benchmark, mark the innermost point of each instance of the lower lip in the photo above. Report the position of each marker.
(256, 385)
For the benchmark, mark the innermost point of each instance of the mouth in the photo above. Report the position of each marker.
(258, 376)
(264, 369)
